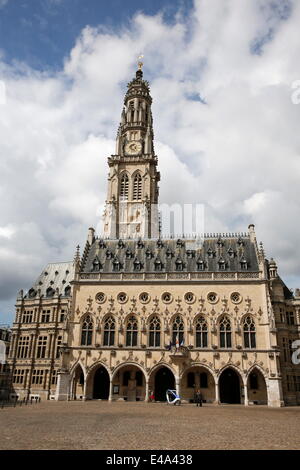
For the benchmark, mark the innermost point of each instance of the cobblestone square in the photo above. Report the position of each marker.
(100, 425)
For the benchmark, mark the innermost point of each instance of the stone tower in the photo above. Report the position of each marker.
(132, 194)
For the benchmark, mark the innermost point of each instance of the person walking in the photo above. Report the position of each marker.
(198, 397)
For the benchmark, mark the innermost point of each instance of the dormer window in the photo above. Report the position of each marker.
(149, 254)
(179, 264)
(219, 242)
(222, 264)
(169, 253)
(190, 254)
(96, 264)
(140, 244)
(101, 244)
(31, 293)
(200, 265)
(160, 243)
(158, 265)
(116, 265)
(137, 265)
(128, 254)
(240, 242)
(68, 291)
(109, 254)
(121, 244)
(230, 253)
(244, 264)
(180, 243)
(210, 253)
(50, 292)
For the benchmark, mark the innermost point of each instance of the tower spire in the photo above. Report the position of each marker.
(132, 198)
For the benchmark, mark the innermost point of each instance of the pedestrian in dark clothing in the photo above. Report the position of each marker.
(198, 398)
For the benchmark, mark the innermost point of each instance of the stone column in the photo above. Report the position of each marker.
(274, 390)
(217, 396)
(110, 390)
(85, 389)
(147, 391)
(178, 386)
(246, 398)
(63, 386)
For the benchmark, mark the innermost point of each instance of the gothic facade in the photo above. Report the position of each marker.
(137, 314)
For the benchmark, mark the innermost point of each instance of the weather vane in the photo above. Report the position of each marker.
(140, 62)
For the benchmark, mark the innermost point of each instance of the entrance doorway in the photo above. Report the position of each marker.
(164, 379)
(101, 384)
(229, 384)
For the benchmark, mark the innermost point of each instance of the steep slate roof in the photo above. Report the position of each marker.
(236, 253)
(56, 276)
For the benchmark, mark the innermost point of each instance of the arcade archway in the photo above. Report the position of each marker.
(101, 384)
(77, 392)
(230, 386)
(257, 389)
(164, 379)
(194, 378)
(129, 383)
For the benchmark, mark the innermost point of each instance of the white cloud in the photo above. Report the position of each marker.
(239, 153)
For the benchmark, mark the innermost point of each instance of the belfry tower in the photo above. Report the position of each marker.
(132, 195)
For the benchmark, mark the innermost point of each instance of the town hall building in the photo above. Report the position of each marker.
(136, 314)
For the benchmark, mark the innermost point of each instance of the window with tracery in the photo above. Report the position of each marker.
(201, 333)
(225, 333)
(178, 330)
(132, 332)
(87, 332)
(154, 333)
(249, 333)
(109, 332)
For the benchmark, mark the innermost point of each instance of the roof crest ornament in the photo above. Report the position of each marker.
(140, 61)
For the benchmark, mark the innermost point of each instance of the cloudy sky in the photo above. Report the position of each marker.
(225, 81)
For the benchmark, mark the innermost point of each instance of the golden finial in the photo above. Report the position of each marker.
(140, 62)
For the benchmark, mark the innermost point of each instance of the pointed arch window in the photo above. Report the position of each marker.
(154, 333)
(249, 333)
(87, 332)
(109, 332)
(132, 332)
(178, 330)
(225, 333)
(124, 187)
(137, 187)
(201, 333)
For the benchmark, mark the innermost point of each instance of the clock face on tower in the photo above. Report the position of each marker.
(133, 148)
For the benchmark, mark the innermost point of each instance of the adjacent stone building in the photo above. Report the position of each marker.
(5, 336)
(137, 314)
